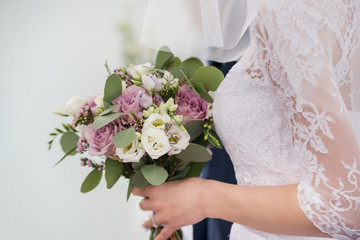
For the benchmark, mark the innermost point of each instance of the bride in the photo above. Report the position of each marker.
(288, 115)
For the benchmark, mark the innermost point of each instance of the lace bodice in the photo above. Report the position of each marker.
(289, 110)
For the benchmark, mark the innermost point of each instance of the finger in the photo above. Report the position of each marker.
(165, 233)
(139, 192)
(146, 192)
(146, 205)
(158, 220)
(148, 223)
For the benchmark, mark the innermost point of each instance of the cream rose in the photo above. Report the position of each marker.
(99, 100)
(155, 142)
(71, 106)
(156, 121)
(131, 153)
(178, 139)
(138, 70)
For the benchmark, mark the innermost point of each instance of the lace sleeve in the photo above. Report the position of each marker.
(315, 43)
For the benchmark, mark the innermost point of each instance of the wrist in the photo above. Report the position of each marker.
(211, 193)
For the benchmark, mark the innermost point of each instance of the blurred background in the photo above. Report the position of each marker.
(49, 51)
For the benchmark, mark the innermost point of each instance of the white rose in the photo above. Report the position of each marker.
(99, 100)
(131, 153)
(138, 70)
(178, 139)
(148, 83)
(156, 121)
(155, 142)
(71, 106)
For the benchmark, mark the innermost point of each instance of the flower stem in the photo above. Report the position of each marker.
(152, 233)
(178, 236)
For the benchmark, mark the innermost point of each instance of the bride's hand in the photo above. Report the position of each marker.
(177, 204)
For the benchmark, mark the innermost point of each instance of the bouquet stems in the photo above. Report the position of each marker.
(156, 231)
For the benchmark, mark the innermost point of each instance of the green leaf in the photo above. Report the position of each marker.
(190, 65)
(66, 154)
(201, 91)
(138, 180)
(194, 153)
(91, 181)
(177, 62)
(130, 188)
(195, 129)
(101, 121)
(154, 174)
(195, 169)
(138, 165)
(59, 130)
(124, 138)
(210, 77)
(109, 109)
(65, 127)
(164, 58)
(175, 71)
(69, 141)
(113, 171)
(112, 90)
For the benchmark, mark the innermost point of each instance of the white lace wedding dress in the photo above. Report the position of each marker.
(288, 111)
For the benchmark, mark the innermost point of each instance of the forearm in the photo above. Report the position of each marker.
(272, 209)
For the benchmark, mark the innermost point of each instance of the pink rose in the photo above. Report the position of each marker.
(190, 105)
(101, 140)
(129, 100)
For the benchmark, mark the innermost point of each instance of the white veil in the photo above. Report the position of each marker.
(209, 29)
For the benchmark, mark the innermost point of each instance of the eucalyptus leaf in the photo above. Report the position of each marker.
(109, 109)
(195, 169)
(138, 165)
(154, 174)
(191, 65)
(201, 91)
(113, 171)
(195, 129)
(69, 141)
(175, 71)
(112, 90)
(66, 154)
(194, 153)
(124, 138)
(177, 62)
(164, 58)
(210, 77)
(101, 121)
(130, 188)
(91, 181)
(138, 180)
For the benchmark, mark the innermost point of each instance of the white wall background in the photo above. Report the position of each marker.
(49, 51)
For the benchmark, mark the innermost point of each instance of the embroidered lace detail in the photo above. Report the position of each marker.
(297, 89)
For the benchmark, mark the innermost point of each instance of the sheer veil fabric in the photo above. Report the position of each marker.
(208, 29)
(297, 89)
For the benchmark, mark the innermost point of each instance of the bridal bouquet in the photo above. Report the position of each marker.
(150, 124)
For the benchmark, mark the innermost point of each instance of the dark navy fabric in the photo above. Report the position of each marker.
(219, 168)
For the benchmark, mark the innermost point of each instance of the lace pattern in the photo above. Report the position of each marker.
(300, 77)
